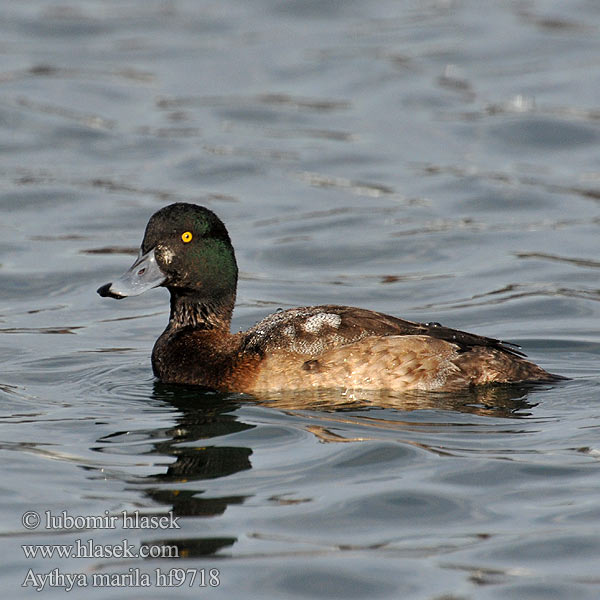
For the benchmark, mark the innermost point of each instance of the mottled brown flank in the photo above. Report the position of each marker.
(338, 347)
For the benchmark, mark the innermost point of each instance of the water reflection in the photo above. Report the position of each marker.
(202, 417)
(508, 401)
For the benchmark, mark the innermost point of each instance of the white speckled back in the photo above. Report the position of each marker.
(308, 331)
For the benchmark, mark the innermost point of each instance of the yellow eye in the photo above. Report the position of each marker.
(186, 237)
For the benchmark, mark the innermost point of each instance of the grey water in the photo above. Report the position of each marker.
(436, 160)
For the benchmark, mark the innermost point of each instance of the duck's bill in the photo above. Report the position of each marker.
(143, 275)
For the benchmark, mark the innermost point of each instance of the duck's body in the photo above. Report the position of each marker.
(302, 348)
(336, 346)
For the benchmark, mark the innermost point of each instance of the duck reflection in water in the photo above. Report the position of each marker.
(204, 416)
(492, 401)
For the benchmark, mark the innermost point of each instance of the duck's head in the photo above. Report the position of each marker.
(187, 249)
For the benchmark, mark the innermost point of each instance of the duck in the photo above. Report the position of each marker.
(187, 249)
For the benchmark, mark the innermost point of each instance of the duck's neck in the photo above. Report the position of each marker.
(190, 310)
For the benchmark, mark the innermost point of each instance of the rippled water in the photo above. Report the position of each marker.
(436, 160)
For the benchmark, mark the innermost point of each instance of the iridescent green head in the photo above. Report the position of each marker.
(187, 249)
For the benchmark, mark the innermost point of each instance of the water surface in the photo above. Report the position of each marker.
(434, 160)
